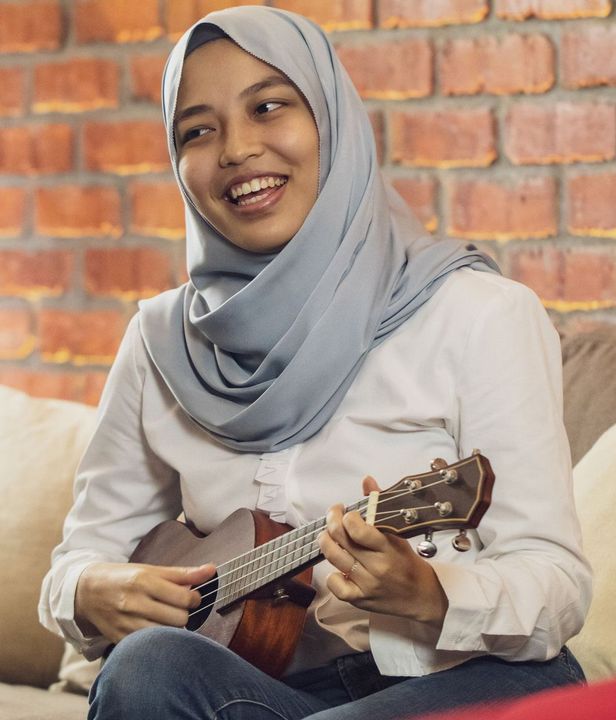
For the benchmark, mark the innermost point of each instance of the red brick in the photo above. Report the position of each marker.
(340, 15)
(486, 210)
(126, 148)
(30, 26)
(16, 336)
(420, 196)
(72, 211)
(35, 274)
(36, 149)
(446, 138)
(562, 132)
(117, 21)
(75, 85)
(568, 279)
(11, 91)
(12, 211)
(94, 383)
(157, 210)
(552, 9)
(587, 56)
(127, 273)
(381, 70)
(181, 14)
(511, 64)
(430, 13)
(146, 76)
(75, 386)
(591, 201)
(85, 337)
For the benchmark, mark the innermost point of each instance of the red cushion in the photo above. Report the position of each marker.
(574, 702)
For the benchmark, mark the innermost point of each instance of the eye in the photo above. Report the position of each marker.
(268, 107)
(195, 133)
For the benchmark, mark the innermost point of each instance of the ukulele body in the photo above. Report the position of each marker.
(265, 627)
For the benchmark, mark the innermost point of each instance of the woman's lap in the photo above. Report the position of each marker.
(164, 674)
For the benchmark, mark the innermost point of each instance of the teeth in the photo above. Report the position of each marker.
(255, 185)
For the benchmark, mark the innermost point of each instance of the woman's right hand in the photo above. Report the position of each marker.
(115, 599)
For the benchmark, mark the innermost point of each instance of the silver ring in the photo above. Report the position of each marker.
(354, 567)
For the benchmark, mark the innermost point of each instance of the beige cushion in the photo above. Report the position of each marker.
(76, 673)
(18, 702)
(41, 442)
(589, 378)
(595, 493)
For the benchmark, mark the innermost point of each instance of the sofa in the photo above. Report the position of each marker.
(41, 441)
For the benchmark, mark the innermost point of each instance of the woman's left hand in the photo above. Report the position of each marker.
(377, 571)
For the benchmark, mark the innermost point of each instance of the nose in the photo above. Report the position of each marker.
(240, 142)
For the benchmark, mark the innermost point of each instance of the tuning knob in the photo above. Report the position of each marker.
(438, 464)
(426, 547)
(461, 542)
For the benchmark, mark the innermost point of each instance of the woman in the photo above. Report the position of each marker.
(321, 336)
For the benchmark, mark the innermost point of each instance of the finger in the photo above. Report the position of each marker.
(185, 575)
(179, 596)
(162, 614)
(369, 484)
(343, 587)
(184, 578)
(360, 535)
(338, 556)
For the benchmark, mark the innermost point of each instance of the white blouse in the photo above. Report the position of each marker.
(478, 366)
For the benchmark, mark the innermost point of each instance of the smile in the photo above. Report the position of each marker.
(250, 192)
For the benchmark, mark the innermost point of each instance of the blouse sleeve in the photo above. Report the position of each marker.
(529, 589)
(122, 490)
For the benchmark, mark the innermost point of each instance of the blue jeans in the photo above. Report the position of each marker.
(169, 674)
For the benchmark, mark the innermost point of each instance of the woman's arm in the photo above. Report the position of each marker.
(122, 490)
(528, 588)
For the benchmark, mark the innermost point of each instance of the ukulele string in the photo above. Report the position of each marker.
(275, 573)
(281, 570)
(360, 505)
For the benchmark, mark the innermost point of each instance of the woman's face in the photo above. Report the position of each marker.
(248, 146)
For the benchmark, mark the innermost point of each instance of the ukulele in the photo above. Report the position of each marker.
(256, 603)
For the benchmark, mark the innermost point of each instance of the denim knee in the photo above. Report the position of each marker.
(133, 679)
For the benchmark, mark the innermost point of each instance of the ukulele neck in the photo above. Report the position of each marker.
(282, 557)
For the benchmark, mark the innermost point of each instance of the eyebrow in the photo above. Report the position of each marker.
(268, 82)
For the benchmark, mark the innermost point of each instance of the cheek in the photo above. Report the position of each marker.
(195, 178)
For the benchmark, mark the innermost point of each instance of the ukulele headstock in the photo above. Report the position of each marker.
(448, 497)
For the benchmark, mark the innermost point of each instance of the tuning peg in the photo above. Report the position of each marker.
(426, 547)
(461, 542)
(438, 464)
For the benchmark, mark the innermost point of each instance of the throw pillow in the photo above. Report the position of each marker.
(595, 494)
(41, 442)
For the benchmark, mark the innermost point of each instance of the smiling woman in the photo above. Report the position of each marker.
(321, 335)
(248, 146)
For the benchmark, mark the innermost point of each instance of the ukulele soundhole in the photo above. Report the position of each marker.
(208, 592)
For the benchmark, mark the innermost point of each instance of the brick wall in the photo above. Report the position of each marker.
(496, 121)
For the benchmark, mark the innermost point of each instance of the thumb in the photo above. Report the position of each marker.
(369, 484)
(199, 574)
(188, 575)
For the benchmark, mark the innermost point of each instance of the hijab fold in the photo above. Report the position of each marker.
(260, 349)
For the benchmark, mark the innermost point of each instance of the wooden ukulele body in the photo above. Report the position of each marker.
(265, 628)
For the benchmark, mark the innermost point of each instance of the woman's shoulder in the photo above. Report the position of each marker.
(472, 293)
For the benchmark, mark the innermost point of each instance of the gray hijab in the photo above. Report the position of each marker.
(259, 350)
